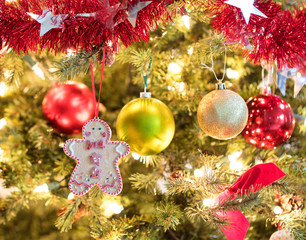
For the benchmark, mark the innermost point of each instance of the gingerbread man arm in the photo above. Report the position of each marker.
(121, 148)
(73, 148)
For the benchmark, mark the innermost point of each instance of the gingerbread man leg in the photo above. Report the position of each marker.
(111, 183)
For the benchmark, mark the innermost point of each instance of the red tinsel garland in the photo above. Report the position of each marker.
(20, 32)
(280, 37)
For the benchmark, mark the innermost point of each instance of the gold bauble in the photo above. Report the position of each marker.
(147, 125)
(222, 114)
(282, 235)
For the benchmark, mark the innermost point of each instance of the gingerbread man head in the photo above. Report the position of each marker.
(95, 130)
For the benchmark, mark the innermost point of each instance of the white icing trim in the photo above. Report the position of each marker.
(117, 149)
(70, 147)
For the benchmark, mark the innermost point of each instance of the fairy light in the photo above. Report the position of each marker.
(42, 189)
(234, 164)
(70, 52)
(199, 172)
(3, 89)
(3, 123)
(136, 156)
(111, 207)
(190, 51)
(278, 210)
(186, 21)
(37, 70)
(178, 86)
(232, 74)
(298, 75)
(70, 196)
(174, 68)
(208, 202)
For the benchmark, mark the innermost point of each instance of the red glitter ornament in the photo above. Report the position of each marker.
(68, 106)
(270, 122)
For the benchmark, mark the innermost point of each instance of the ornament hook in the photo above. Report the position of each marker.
(212, 65)
(145, 75)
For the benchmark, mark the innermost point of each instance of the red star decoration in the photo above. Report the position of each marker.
(107, 13)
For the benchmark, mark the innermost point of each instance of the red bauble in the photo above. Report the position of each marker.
(271, 121)
(68, 106)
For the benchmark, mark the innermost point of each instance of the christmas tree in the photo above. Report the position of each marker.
(209, 181)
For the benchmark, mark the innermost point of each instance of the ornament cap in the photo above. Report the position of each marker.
(145, 94)
(266, 90)
(220, 86)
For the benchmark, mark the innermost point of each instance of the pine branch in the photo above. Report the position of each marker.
(64, 166)
(70, 67)
(13, 204)
(295, 222)
(200, 212)
(115, 228)
(67, 215)
(144, 182)
(11, 68)
(213, 45)
(168, 215)
(139, 58)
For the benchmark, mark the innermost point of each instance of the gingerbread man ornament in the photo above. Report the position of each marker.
(97, 158)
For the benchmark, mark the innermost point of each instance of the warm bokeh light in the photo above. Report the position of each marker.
(234, 164)
(111, 207)
(70, 196)
(208, 202)
(3, 123)
(42, 189)
(232, 74)
(278, 210)
(199, 172)
(136, 156)
(37, 70)
(186, 21)
(234, 156)
(3, 89)
(190, 51)
(174, 68)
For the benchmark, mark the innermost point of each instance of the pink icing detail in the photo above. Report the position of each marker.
(95, 158)
(97, 144)
(78, 160)
(111, 186)
(82, 183)
(103, 134)
(95, 172)
(87, 134)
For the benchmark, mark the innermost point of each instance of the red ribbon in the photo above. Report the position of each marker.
(93, 84)
(255, 178)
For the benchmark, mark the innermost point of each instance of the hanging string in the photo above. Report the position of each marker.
(145, 75)
(212, 65)
(93, 84)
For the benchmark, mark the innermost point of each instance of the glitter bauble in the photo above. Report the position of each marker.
(68, 106)
(147, 125)
(222, 114)
(282, 235)
(271, 121)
